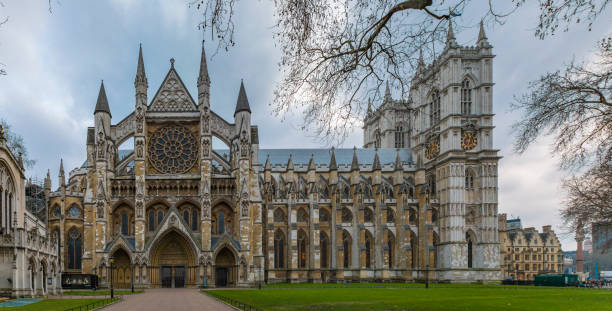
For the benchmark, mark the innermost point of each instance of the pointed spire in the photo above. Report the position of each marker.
(243, 102)
(332, 161)
(369, 106)
(481, 33)
(376, 165)
(420, 62)
(102, 103)
(62, 178)
(398, 161)
(311, 163)
(267, 166)
(203, 78)
(450, 36)
(141, 76)
(290, 162)
(387, 91)
(48, 180)
(355, 162)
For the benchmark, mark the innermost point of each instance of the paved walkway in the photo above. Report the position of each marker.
(179, 299)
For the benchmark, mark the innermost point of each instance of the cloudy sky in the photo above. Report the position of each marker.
(55, 62)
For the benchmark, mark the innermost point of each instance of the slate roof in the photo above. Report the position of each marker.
(344, 156)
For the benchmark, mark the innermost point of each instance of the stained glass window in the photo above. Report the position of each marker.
(173, 150)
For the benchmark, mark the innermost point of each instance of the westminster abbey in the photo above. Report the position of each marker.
(418, 201)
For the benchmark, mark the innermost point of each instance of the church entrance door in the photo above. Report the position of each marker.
(166, 276)
(173, 262)
(221, 277)
(225, 268)
(179, 276)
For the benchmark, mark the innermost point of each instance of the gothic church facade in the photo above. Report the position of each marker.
(174, 212)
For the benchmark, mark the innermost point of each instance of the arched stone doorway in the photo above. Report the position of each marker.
(226, 269)
(173, 262)
(122, 269)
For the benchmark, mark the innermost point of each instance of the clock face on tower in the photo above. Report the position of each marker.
(468, 141)
(173, 150)
(432, 149)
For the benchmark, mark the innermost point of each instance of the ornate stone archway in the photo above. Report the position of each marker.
(226, 268)
(173, 262)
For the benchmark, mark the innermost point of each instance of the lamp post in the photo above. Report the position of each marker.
(427, 276)
(111, 259)
(133, 278)
(95, 285)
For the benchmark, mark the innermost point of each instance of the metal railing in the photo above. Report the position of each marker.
(238, 304)
(93, 305)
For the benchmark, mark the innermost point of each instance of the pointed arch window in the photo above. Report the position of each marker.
(74, 249)
(368, 251)
(399, 136)
(160, 217)
(390, 215)
(377, 139)
(279, 216)
(186, 216)
(434, 108)
(470, 242)
(124, 224)
(390, 248)
(469, 179)
(466, 98)
(194, 219)
(324, 215)
(151, 221)
(347, 216)
(221, 223)
(302, 247)
(324, 243)
(301, 215)
(368, 216)
(346, 248)
(279, 249)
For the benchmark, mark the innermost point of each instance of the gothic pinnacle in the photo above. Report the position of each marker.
(102, 102)
(355, 162)
(141, 76)
(332, 161)
(203, 77)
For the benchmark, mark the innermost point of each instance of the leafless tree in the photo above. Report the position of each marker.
(16, 144)
(589, 198)
(574, 105)
(338, 53)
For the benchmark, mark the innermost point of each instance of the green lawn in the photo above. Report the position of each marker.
(415, 297)
(99, 292)
(57, 304)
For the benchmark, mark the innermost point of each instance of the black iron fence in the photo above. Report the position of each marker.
(238, 304)
(93, 305)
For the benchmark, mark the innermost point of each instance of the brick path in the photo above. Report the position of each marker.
(179, 299)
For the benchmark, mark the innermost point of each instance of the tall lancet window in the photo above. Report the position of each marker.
(466, 98)
(434, 108)
(399, 136)
(377, 139)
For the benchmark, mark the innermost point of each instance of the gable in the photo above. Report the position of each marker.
(172, 96)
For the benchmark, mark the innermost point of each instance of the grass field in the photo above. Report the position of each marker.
(56, 304)
(415, 297)
(99, 292)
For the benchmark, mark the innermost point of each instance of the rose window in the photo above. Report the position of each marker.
(173, 150)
